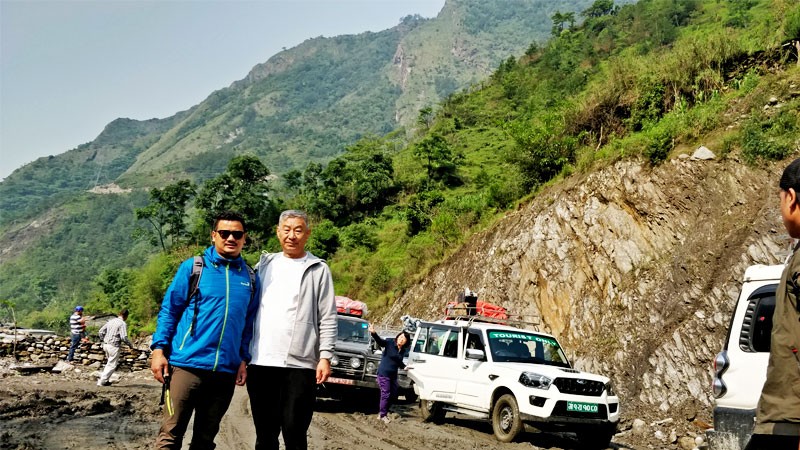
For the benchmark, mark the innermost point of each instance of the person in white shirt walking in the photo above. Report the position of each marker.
(113, 334)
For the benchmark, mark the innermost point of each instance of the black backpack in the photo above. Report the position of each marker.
(194, 285)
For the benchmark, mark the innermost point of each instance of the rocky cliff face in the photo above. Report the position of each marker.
(634, 269)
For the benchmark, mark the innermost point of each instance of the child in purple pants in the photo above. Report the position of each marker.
(391, 362)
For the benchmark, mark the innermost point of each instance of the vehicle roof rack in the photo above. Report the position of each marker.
(472, 314)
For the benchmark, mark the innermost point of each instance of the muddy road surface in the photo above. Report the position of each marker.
(68, 411)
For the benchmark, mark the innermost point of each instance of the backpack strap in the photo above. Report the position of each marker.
(252, 274)
(194, 286)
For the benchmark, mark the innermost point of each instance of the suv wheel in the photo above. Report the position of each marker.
(506, 421)
(431, 411)
(410, 395)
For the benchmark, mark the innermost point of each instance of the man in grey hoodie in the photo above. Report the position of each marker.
(293, 337)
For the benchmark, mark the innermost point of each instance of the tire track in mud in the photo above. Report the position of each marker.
(53, 413)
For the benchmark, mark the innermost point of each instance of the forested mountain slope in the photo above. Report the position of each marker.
(303, 105)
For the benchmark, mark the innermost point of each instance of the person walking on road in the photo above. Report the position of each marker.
(202, 339)
(77, 328)
(391, 362)
(778, 414)
(113, 334)
(293, 338)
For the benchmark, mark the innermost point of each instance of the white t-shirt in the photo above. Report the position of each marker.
(274, 322)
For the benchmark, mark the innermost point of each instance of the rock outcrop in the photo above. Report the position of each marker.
(634, 269)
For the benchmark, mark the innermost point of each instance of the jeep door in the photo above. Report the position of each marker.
(433, 361)
(473, 389)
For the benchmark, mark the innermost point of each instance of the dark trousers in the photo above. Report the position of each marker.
(772, 442)
(388, 388)
(75, 340)
(281, 400)
(207, 394)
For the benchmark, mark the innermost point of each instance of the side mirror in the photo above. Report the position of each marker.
(475, 354)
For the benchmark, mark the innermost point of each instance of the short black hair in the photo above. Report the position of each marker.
(232, 216)
(124, 313)
(791, 177)
(408, 338)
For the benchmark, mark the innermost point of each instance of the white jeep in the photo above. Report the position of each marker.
(740, 369)
(510, 376)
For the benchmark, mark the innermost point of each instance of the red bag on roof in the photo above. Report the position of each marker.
(490, 310)
(484, 309)
(345, 305)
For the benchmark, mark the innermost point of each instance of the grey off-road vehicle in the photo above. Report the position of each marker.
(354, 365)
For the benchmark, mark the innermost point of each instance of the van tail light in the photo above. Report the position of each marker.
(721, 364)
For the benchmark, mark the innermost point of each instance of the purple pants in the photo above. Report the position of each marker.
(388, 393)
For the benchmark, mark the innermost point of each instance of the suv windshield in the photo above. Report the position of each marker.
(353, 331)
(515, 346)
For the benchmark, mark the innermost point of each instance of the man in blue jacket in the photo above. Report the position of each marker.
(201, 344)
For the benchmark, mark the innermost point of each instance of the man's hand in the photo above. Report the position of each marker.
(241, 375)
(323, 370)
(159, 365)
(371, 328)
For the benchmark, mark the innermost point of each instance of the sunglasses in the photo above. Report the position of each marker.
(224, 234)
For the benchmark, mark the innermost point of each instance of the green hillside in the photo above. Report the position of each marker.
(642, 80)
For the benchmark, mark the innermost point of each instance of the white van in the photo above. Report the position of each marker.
(740, 369)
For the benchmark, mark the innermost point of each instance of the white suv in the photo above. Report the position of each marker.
(510, 376)
(741, 368)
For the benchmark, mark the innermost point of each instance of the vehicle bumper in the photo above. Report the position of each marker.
(344, 382)
(539, 407)
(732, 428)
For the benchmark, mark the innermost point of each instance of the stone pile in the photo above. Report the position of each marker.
(50, 349)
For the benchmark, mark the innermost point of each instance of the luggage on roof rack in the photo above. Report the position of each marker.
(350, 307)
(468, 307)
(481, 309)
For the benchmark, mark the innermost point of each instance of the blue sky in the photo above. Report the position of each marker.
(68, 68)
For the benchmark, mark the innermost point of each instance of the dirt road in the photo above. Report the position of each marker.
(68, 411)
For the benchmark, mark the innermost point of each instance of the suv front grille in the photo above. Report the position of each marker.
(579, 386)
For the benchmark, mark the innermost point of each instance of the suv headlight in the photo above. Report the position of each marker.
(334, 360)
(535, 380)
(371, 367)
(355, 363)
(610, 389)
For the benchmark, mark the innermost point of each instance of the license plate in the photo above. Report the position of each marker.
(340, 380)
(581, 407)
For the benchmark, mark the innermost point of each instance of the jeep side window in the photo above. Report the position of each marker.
(757, 327)
(435, 340)
(474, 340)
(422, 336)
(451, 345)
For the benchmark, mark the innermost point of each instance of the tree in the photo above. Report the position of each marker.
(599, 8)
(739, 13)
(356, 185)
(425, 118)
(440, 162)
(244, 188)
(115, 285)
(166, 212)
(559, 19)
(543, 149)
